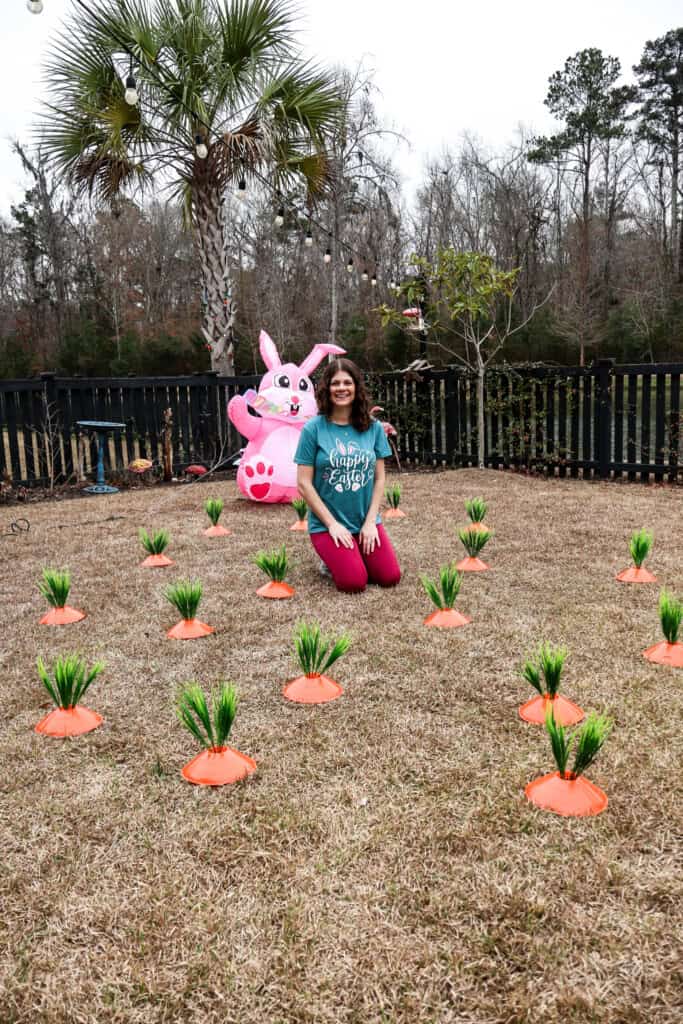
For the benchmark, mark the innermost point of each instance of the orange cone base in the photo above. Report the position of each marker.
(666, 654)
(316, 689)
(62, 616)
(189, 629)
(446, 618)
(564, 711)
(472, 565)
(156, 562)
(217, 531)
(218, 767)
(299, 526)
(69, 722)
(572, 798)
(634, 575)
(275, 591)
(477, 527)
(393, 513)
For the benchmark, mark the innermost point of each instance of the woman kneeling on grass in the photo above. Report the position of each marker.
(341, 457)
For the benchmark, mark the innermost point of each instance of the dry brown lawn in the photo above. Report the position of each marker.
(382, 865)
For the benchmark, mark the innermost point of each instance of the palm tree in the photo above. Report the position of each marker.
(223, 97)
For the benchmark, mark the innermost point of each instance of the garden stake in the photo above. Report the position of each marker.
(549, 663)
(55, 586)
(301, 508)
(567, 792)
(218, 764)
(393, 496)
(185, 595)
(315, 654)
(446, 616)
(213, 509)
(473, 541)
(155, 546)
(669, 651)
(70, 679)
(639, 545)
(275, 564)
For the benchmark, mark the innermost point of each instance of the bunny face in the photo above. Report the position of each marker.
(287, 395)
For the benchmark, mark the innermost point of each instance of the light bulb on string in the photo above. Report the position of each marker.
(200, 147)
(280, 217)
(349, 265)
(242, 190)
(308, 240)
(373, 280)
(131, 93)
(34, 6)
(364, 276)
(328, 256)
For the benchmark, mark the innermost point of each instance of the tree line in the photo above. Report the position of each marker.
(132, 252)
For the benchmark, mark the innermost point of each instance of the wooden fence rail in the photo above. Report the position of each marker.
(604, 420)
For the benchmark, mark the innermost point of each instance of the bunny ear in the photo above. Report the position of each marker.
(315, 356)
(268, 351)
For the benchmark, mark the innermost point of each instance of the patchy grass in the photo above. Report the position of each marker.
(382, 865)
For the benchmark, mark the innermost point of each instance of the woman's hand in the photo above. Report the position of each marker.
(340, 535)
(369, 538)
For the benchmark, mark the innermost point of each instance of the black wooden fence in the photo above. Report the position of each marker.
(604, 420)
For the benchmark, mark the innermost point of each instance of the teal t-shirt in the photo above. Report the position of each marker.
(343, 461)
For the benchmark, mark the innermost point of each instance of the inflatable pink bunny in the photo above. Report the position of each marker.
(285, 401)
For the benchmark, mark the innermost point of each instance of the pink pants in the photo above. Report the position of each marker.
(352, 569)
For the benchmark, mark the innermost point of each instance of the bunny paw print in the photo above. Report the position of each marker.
(259, 473)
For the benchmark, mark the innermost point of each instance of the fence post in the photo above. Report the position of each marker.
(451, 400)
(604, 404)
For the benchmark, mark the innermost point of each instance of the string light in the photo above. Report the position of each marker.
(280, 218)
(308, 240)
(34, 6)
(131, 93)
(242, 190)
(364, 276)
(373, 281)
(328, 255)
(200, 147)
(349, 265)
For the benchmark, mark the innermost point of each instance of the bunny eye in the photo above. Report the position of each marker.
(304, 384)
(281, 380)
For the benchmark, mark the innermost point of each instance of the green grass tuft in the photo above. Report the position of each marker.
(213, 509)
(476, 510)
(640, 546)
(670, 615)
(55, 586)
(185, 595)
(300, 507)
(315, 652)
(588, 739)
(393, 495)
(70, 679)
(210, 727)
(274, 564)
(474, 541)
(548, 662)
(445, 593)
(155, 544)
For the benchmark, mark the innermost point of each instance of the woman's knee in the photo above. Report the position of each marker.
(391, 578)
(351, 579)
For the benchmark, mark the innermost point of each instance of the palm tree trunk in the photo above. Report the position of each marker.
(219, 308)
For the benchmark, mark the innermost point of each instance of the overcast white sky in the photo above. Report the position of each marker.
(443, 68)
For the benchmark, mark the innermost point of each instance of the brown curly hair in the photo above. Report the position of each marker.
(360, 410)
